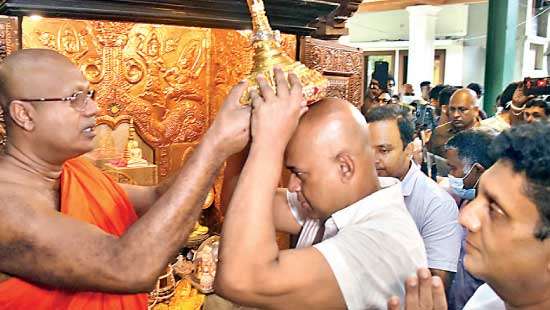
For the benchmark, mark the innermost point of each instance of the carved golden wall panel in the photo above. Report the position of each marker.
(9, 34)
(342, 65)
(9, 42)
(170, 79)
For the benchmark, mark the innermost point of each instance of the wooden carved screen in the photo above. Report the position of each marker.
(9, 35)
(170, 79)
(9, 43)
(342, 65)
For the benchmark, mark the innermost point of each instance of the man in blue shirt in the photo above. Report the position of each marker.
(434, 211)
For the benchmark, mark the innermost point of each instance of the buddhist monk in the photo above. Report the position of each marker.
(71, 238)
(357, 240)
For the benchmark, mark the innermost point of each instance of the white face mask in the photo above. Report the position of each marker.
(457, 185)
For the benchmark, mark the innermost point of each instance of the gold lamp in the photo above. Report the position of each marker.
(268, 54)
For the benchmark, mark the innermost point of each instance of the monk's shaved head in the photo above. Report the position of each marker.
(23, 71)
(34, 73)
(330, 157)
(36, 87)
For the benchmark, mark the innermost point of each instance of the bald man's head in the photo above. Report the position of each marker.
(330, 157)
(463, 109)
(37, 87)
(334, 122)
(25, 74)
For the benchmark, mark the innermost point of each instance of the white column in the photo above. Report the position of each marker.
(420, 67)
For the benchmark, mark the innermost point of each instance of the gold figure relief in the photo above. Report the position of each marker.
(171, 80)
(9, 33)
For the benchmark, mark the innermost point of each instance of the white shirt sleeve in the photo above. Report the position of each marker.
(294, 205)
(442, 235)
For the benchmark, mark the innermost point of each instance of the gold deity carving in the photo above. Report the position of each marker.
(171, 80)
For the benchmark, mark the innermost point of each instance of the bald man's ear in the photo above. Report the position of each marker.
(21, 113)
(346, 167)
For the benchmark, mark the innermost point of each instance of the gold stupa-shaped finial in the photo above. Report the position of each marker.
(268, 54)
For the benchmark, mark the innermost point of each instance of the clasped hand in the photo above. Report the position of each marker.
(275, 114)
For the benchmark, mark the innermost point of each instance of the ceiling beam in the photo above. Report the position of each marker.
(388, 5)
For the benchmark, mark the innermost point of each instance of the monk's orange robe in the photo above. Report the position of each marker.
(90, 196)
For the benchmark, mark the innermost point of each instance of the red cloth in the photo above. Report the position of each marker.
(90, 196)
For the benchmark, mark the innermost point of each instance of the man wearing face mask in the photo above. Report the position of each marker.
(467, 157)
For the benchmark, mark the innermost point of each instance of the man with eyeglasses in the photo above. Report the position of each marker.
(463, 114)
(71, 238)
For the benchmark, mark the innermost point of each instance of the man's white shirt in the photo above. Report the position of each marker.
(372, 246)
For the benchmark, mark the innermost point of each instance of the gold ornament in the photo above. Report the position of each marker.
(268, 54)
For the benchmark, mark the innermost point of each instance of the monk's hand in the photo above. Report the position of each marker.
(231, 128)
(422, 292)
(275, 114)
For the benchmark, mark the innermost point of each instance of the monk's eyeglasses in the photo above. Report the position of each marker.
(78, 100)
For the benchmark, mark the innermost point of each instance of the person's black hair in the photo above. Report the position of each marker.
(507, 95)
(445, 95)
(425, 83)
(471, 146)
(536, 102)
(527, 148)
(478, 89)
(434, 93)
(394, 112)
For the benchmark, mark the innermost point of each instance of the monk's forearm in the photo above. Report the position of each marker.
(249, 233)
(156, 237)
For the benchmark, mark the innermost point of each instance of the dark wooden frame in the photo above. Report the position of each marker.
(289, 16)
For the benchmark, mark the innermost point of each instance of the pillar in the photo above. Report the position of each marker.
(420, 68)
(501, 49)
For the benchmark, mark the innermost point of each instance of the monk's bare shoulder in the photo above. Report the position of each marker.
(19, 203)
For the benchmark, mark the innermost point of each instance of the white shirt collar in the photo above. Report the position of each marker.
(389, 192)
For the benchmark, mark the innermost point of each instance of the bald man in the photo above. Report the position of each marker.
(357, 240)
(463, 114)
(70, 237)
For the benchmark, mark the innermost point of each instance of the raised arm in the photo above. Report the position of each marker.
(46, 247)
(252, 270)
(283, 218)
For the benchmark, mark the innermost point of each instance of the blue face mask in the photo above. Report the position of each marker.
(457, 185)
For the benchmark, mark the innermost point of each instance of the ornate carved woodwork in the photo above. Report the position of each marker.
(289, 16)
(333, 25)
(171, 80)
(9, 34)
(342, 65)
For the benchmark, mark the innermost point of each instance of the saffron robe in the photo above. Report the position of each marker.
(90, 196)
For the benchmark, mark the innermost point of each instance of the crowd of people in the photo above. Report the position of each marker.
(425, 204)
